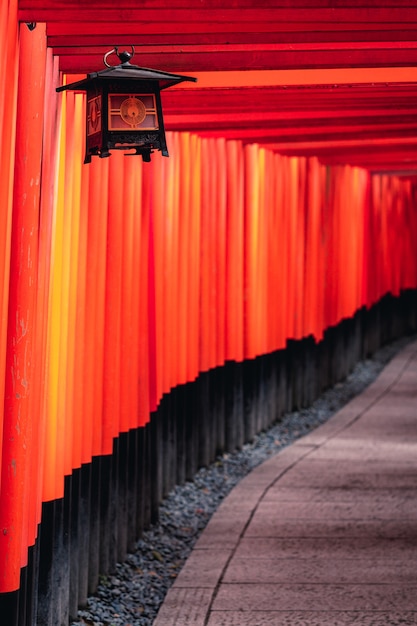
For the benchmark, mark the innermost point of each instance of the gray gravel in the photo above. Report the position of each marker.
(133, 595)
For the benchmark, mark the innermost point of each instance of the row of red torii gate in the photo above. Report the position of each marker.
(141, 299)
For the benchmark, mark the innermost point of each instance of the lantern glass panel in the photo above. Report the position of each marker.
(94, 115)
(132, 112)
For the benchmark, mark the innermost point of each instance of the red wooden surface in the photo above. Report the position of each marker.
(128, 278)
(21, 379)
(267, 39)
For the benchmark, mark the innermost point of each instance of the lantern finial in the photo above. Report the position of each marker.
(124, 57)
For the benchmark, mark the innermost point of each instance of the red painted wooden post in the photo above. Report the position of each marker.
(21, 375)
(8, 94)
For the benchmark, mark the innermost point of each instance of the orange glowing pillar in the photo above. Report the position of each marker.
(196, 164)
(280, 259)
(8, 94)
(251, 244)
(220, 250)
(146, 382)
(150, 295)
(81, 386)
(112, 305)
(21, 357)
(47, 204)
(208, 260)
(234, 252)
(314, 266)
(96, 208)
(128, 330)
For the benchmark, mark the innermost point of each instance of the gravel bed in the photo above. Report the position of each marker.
(133, 594)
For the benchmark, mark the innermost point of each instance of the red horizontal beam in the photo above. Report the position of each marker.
(302, 6)
(391, 163)
(269, 133)
(189, 59)
(381, 147)
(256, 119)
(310, 93)
(362, 17)
(292, 105)
(371, 161)
(233, 112)
(299, 143)
(198, 48)
(221, 35)
(60, 36)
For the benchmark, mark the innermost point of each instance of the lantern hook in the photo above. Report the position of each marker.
(124, 56)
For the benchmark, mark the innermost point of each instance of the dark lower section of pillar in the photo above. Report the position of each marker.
(109, 502)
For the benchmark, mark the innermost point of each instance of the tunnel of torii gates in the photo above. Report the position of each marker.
(154, 315)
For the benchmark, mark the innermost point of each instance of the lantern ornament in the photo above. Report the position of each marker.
(124, 108)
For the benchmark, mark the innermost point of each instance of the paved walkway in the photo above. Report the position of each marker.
(322, 534)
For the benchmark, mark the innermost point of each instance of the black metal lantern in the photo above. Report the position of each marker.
(124, 108)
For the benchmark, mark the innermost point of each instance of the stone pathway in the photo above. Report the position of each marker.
(322, 534)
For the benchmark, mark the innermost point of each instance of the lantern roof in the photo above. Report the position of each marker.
(127, 71)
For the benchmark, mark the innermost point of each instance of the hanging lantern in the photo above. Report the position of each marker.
(124, 108)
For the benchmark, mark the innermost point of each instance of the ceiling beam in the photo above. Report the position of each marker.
(240, 57)
(60, 36)
(245, 51)
(296, 16)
